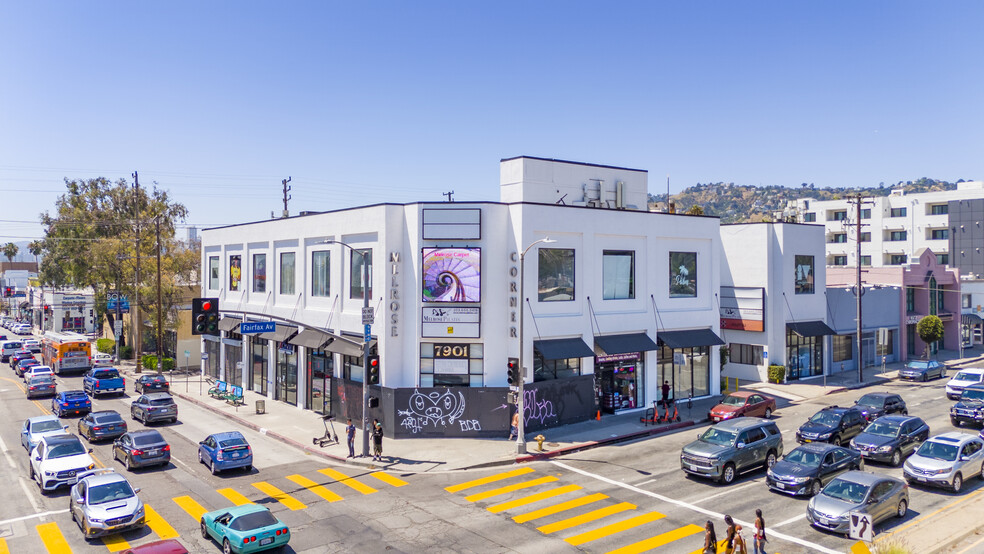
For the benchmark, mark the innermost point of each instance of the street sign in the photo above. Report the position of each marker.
(367, 317)
(367, 334)
(252, 328)
(117, 328)
(861, 528)
(112, 298)
(204, 355)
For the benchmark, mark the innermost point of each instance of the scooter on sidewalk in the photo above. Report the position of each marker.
(330, 437)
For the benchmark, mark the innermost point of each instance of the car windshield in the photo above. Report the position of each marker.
(938, 451)
(803, 457)
(161, 402)
(972, 394)
(254, 520)
(64, 449)
(965, 376)
(825, 418)
(106, 374)
(883, 429)
(733, 401)
(147, 439)
(847, 491)
(719, 437)
(107, 418)
(871, 400)
(117, 490)
(918, 365)
(75, 396)
(231, 442)
(43, 380)
(47, 425)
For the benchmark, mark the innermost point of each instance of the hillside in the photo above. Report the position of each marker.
(744, 203)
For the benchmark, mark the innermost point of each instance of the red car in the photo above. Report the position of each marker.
(167, 546)
(743, 403)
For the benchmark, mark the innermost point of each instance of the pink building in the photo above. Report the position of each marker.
(930, 288)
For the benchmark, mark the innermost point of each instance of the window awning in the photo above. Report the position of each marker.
(689, 338)
(345, 346)
(623, 344)
(971, 319)
(229, 324)
(281, 334)
(810, 328)
(311, 338)
(560, 349)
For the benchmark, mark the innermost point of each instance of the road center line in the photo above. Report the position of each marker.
(790, 520)
(715, 515)
(31, 516)
(646, 482)
(746, 485)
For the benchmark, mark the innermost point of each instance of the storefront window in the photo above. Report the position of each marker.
(748, 354)
(545, 370)
(452, 364)
(259, 272)
(214, 350)
(843, 348)
(233, 365)
(286, 374)
(618, 274)
(320, 369)
(804, 355)
(287, 273)
(213, 273)
(886, 343)
(555, 274)
(356, 276)
(683, 274)
(260, 362)
(319, 273)
(803, 278)
(618, 381)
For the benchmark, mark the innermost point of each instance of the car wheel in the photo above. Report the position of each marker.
(213, 469)
(896, 458)
(957, 483)
(903, 508)
(728, 474)
(30, 470)
(816, 487)
(205, 534)
(835, 440)
(955, 422)
(770, 459)
(127, 463)
(201, 460)
(226, 547)
(905, 412)
(768, 413)
(925, 377)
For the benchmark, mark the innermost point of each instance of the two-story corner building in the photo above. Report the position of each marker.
(600, 299)
(926, 286)
(773, 303)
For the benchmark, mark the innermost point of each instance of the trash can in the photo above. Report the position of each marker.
(261, 406)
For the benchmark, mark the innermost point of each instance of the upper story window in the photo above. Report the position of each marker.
(259, 272)
(897, 259)
(839, 260)
(555, 279)
(213, 273)
(287, 272)
(618, 274)
(319, 273)
(838, 237)
(235, 272)
(804, 275)
(358, 260)
(865, 261)
(934, 297)
(897, 212)
(910, 299)
(897, 235)
(683, 274)
(839, 215)
(965, 301)
(939, 209)
(809, 217)
(866, 213)
(939, 234)
(866, 236)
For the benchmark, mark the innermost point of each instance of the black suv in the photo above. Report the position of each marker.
(832, 424)
(876, 404)
(970, 408)
(806, 469)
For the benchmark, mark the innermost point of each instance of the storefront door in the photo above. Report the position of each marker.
(618, 382)
(259, 362)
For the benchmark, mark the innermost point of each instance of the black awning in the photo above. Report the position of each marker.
(971, 319)
(560, 349)
(344, 347)
(311, 338)
(229, 324)
(623, 344)
(281, 334)
(810, 328)
(689, 338)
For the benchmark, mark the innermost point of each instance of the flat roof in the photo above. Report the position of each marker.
(572, 163)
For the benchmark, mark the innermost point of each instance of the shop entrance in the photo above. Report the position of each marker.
(618, 381)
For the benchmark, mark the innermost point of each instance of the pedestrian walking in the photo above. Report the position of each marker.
(377, 440)
(666, 392)
(759, 540)
(514, 426)
(710, 539)
(729, 537)
(350, 436)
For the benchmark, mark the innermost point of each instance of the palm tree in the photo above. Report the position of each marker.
(10, 250)
(36, 247)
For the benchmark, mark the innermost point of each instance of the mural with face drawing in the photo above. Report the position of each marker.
(432, 409)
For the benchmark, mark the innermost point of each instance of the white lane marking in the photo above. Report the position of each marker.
(797, 540)
(31, 516)
(646, 482)
(745, 486)
(790, 520)
(6, 454)
(173, 459)
(13, 464)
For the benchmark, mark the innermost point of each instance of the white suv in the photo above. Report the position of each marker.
(963, 379)
(946, 460)
(57, 461)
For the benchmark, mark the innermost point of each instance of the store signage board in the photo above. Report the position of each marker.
(255, 327)
(628, 356)
(451, 366)
(441, 330)
(447, 321)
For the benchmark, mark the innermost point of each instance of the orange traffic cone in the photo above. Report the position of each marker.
(598, 417)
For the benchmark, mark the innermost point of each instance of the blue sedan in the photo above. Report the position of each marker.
(75, 402)
(245, 529)
(222, 451)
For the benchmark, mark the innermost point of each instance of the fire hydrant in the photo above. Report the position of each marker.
(539, 442)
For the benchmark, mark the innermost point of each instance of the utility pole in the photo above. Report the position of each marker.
(286, 198)
(449, 194)
(858, 200)
(135, 318)
(160, 304)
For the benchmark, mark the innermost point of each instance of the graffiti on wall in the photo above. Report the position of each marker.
(436, 409)
(536, 409)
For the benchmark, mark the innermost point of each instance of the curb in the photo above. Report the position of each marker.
(612, 440)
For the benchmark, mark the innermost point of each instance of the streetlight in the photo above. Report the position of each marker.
(521, 428)
(365, 345)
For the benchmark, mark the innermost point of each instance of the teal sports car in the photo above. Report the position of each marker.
(245, 529)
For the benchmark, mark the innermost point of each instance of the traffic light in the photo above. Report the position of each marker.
(513, 375)
(373, 363)
(205, 316)
(8, 291)
(373, 402)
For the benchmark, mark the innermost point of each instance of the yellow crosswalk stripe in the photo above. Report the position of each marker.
(234, 497)
(510, 488)
(720, 548)
(557, 508)
(279, 495)
(115, 543)
(585, 518)
(3, 547)
(53, 539)
(389, 479)
(489, 479)
(496, 508)
(189, 505)
(158, 525)
(315, 488)
(609, 530)
(347, 481)
(660, 540)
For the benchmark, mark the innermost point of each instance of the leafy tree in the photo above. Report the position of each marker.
(930, 330)
(35, 248)
(695, 210)
(10, 250)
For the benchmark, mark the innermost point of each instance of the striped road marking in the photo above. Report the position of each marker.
(53, 539)
(661, 539)
(496, 508)
(389, 479)
(585, 518)
(115, 543)
(234, 497)
(347, 481)
(557, 508)
(280, 496)
(315, 488)
(610, 530)
(510, 488)
(3, 547)
(489, 479)
(189, 505)
(158, 525)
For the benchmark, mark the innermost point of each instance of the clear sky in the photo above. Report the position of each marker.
(365, 102)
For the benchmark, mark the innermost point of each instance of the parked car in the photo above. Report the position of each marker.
(8, 348)
(103, 380)
(876, 404)
(879, 496)
(41, 426)
(57, 460)
(151, 383)
(142, 449)
(103, 503)
(222, 451)
(105, 424)
(42, 385)
(166, 546)
(963, 379)
(74, 402)
(946, 460)
(743, 403)
(806, 469)
(244, 529)
(832, 424)
(37, 371)
(156, 406)
(923, 370)
(891, 438)
(970, 408)
(731, 447)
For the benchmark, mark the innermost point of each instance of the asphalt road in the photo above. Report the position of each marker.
(627, 497)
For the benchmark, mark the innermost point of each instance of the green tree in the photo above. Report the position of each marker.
(35, 248)
(930, 330)
(10, 250)
(695, 210)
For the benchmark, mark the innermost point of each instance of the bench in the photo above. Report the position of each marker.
(235, 396)
(219, 390)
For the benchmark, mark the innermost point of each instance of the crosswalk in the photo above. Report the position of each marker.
(308, 490)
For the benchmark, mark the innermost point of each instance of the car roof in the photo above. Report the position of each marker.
(53, 440)
(741, 393)
(740, 423)
(864, 477)
(153, 376)
(976, 386)
(972, 370)
(106, 412)
(104, 478)
(166, 546)
(158, 395)
(40, 418)
(143, 432)
(839, 409)
(878, 394)
(895, 418)
(953, 437)
(73, 393)
(228, 435)
(818, 447)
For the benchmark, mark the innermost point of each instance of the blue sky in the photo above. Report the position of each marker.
(364, 102)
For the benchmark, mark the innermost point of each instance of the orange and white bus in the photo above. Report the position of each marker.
(66, 351)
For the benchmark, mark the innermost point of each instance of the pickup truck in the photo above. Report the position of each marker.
(103, 380)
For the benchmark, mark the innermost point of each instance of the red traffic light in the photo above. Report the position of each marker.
(206, 305)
